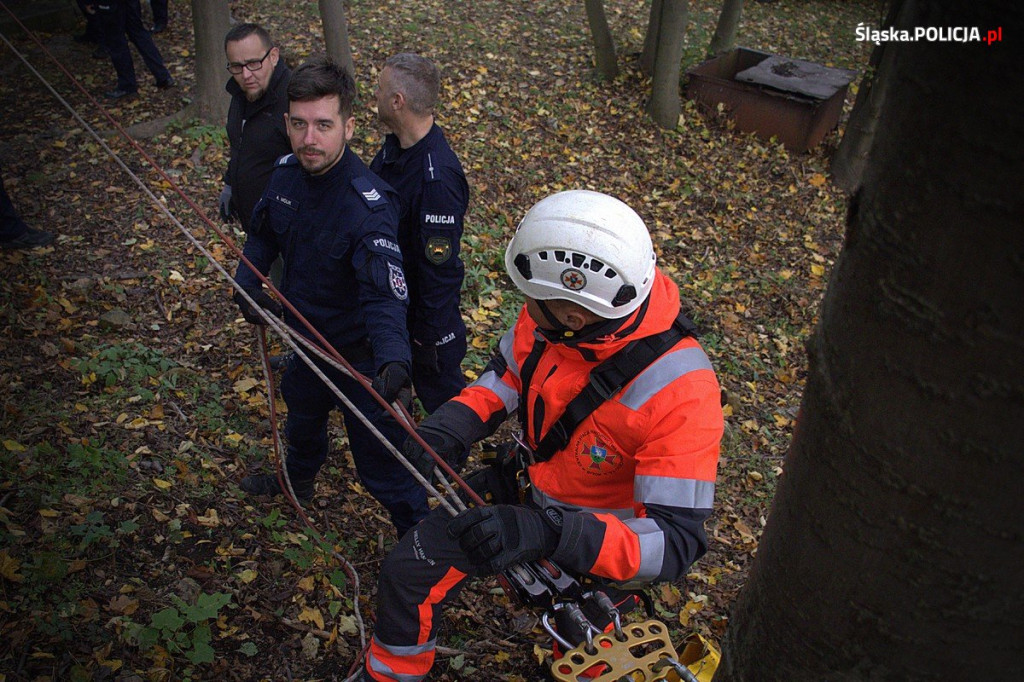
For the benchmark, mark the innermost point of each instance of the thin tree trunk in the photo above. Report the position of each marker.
(651, 39)
(604, 44)
(665, 106)
(894, 548)
(211, 20)
(852, 154)
(725, 32)
(332, 16)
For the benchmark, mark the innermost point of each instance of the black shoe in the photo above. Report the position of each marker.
(266, 484)
(279, 361)
(30, 239)
(163, 85)
(118, 93)
(100, 53)
(158, 28)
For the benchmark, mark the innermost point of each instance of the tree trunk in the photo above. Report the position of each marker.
(332, 15)
(664, 106)
(894, 549)
(210, 21)
(725, 32)
(651, 39)
(604, 44)
(852, 154)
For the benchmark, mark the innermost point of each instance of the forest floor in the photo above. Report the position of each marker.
(133, 400)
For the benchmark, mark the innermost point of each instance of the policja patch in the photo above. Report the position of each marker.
(439, 249)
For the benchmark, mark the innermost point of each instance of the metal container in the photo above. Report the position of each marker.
(795, 101)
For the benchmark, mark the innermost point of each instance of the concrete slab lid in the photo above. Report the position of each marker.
(797, 76)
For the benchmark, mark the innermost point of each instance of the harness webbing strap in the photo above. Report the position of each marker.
(606, 380)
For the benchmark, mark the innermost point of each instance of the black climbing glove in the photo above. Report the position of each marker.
(227, 213)
(263, 300)
(392, 383)
(424, 358)
(446, 444)
(502, 535)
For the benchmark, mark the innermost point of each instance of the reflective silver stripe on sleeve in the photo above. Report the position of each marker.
(506, 393)
(505, 346)
(491, 381)
(652, 548)
(661, 373)
(687, 493)
(544, 500)
(379, 666)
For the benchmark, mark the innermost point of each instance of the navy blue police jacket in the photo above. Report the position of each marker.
(432, 187)
(338, 236)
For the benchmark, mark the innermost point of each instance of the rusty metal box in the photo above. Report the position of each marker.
(795, 101)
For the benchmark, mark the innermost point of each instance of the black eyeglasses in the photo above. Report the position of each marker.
(252, 64)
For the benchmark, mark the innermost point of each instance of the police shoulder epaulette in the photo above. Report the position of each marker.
(431, 167)
(286, 160)
(373, 197)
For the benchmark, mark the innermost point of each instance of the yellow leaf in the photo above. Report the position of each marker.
(246, 384)
(785, 274)
(817, 270)
(247, 576)
(727, 410)
(479, 342)
(162, 484)
(233, 438)
(307, 584)
(160, 516)
(211, 519)
(9, 567)
(501, 657)
(817, 180)
(14, 446)
(688, 611)
(312, 615)
(48, 513)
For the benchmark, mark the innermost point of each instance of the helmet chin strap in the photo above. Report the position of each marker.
(559, 328)
(570, 337)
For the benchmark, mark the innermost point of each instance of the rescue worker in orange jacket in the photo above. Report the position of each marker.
(624, 500)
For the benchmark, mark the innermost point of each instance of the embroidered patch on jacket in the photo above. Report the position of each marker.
(573, 279)
(439, 249)
(396, 279)
(594, 456)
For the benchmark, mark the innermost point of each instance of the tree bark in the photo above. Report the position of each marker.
(332, 15)
(210, 21)
(894, 548)
(852, 154)
(725, 32)
(665, 106)
(651, 39)
(604, 43)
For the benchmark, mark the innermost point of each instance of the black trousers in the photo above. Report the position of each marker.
(121, 21)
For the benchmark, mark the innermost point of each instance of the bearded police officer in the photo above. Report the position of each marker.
(416, 160)
(335, 224)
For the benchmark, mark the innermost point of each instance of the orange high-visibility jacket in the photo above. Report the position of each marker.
(637, 479)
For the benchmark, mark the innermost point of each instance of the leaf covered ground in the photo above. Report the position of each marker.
(132, 397)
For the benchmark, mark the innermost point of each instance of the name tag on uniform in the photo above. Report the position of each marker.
(284, 201)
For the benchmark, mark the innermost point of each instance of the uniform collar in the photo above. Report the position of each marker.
(394, 154)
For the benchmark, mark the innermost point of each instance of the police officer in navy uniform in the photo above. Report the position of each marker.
(416, 160)
(336, 225)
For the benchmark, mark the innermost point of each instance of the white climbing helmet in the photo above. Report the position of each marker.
(585, 247)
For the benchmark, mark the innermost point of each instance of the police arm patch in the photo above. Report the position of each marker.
(396, 280)
(438, 250)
